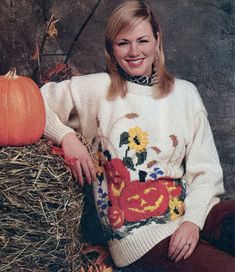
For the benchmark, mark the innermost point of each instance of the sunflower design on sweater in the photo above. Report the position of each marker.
(137, 139)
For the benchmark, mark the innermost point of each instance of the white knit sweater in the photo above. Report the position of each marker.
(156, 161)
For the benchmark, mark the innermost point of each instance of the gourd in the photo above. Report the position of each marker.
(22, 111)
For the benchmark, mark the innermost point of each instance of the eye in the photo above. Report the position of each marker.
(143, 41)
(122, 43)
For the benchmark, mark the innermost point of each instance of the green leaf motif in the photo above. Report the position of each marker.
(124, 138)
(141, 157)
(128, 162)
(107, 154)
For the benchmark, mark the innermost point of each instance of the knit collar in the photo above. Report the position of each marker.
(138, 89)
(141, 80)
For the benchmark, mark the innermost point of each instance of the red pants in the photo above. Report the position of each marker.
(215, 250)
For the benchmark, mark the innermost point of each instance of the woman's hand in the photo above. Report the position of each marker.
(183, 241)
(80, 159)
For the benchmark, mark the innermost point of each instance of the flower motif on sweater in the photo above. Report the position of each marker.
(137, 139)
(176, 208)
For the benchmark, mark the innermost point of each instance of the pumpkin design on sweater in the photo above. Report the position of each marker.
(132, 201)
(144, 200)
(141, 200)
(118, 177)
(173, 189)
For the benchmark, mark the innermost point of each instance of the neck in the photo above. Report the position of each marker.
(140, 79)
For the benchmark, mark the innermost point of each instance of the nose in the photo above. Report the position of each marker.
(133, 50)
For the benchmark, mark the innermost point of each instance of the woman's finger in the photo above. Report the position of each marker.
(190, 251)
(79, 172)
(91, 168)
(178, 249)
(74, 171)
(85, 169)
(182, 253)
(175, 240)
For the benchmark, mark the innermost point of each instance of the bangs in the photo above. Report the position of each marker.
(126, 26)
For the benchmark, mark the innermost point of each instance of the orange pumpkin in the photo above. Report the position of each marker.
(22, 111)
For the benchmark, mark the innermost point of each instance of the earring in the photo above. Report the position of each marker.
(156, 60)
(113, 64)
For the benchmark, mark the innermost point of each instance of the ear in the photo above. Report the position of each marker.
(158, 37)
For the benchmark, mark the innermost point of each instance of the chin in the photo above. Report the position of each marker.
(136, 73)
(139, 72)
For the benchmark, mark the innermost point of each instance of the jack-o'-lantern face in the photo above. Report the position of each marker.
(173, 189)
(116, 171)
(118, 176)
(143, 200)
(116, 189)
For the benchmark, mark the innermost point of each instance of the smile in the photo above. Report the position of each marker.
(135, 62)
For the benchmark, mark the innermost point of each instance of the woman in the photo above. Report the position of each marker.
(154, 168)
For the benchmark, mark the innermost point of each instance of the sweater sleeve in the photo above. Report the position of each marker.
(59, 105)
(203, 173)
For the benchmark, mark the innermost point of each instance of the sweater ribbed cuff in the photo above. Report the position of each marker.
(198, 214)
(57, 132)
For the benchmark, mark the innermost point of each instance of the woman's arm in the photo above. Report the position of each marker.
(204, 174)
(59, 105)
(205, 180)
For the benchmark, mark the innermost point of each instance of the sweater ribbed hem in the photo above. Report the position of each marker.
(135, 245)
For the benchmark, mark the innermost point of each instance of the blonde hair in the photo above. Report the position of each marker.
(124, 18)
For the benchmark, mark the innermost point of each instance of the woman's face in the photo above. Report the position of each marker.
(135, 50)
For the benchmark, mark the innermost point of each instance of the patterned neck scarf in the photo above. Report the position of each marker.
(141, 80)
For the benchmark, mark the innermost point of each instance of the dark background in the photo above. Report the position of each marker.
(198, 39)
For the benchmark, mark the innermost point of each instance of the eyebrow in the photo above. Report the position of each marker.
(145, 36)
(142, 37)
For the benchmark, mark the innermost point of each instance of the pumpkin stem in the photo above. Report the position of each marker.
(12, 73)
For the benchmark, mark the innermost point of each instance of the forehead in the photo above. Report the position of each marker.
(141, 29)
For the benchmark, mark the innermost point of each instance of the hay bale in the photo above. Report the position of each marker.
(40, 211)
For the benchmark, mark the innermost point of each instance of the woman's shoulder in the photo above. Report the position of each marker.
(185, 87)
(90, 86)
(95, 79)
(187, 92)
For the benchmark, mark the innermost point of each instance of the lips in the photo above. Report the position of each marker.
(135, 62)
